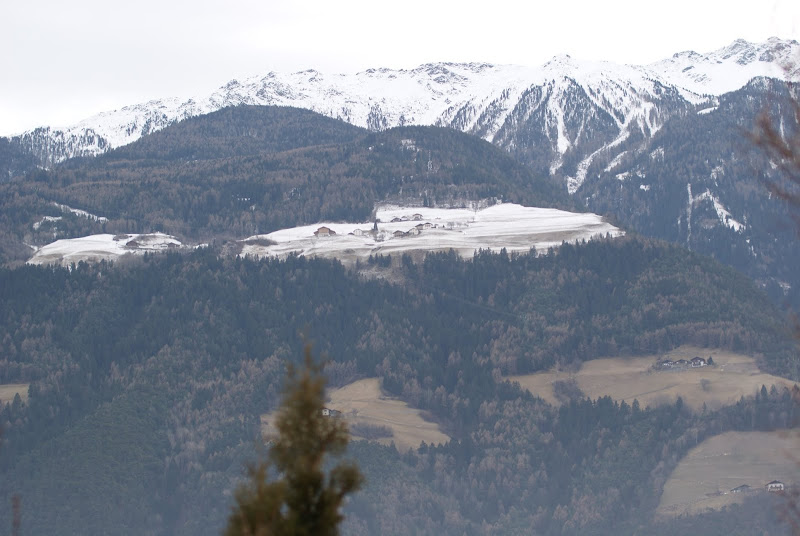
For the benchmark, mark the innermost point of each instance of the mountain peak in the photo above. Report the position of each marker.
(729, 67)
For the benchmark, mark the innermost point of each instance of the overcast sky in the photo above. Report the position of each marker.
(64, 60)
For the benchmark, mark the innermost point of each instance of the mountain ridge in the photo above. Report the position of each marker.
(478, 98)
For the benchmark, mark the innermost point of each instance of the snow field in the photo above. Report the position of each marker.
(509, 226)
(95, 248)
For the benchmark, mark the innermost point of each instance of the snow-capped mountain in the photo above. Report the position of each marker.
(564, 113)
(731, 67)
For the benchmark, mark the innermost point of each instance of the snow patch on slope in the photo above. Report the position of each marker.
(722, 213)
(102, 247)
(81, 213)
(509, 226)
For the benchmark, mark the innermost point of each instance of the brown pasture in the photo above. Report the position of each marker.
(9, 390)
(628, 378)
(363, 402)
(704, 478)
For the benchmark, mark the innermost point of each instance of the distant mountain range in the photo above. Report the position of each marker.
(560, 113)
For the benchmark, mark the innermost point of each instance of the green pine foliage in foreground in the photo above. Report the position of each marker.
(301, 500)
(148, 378)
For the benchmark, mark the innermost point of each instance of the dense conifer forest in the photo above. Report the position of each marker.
(148, 378)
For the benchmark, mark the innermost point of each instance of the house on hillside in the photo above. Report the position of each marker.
(775, 486)
(398, 234)
(324, 231)
(396, 219)
(427, 225)
(416, 217)
(326, 412)
(682, 363)
(413, 231)
(741, 489)
(666, 364)
(698, 362)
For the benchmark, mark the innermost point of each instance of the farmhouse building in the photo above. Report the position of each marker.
(698, 362)
(741, 489)
(324, 231)
(398, 234)
(775, 485)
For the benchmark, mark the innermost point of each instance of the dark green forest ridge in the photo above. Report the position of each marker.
(148, 377)
(247, 170)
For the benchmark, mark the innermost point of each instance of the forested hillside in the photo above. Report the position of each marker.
(701, 181)
(147, 379)
(248, 170)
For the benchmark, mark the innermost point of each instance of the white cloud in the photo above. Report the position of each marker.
(67, 60)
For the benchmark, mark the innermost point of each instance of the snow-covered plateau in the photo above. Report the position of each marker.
(399, 230)
(102, 247)
(411, 229)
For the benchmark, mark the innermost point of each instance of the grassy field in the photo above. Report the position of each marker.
(8, 390)
(362, 402)
(734, 376)
(704, 477)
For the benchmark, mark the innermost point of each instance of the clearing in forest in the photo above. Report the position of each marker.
(9, 390)
(627, 378)
(705, 477)
(372, 415)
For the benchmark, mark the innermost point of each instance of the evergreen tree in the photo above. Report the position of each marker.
(304, 501)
